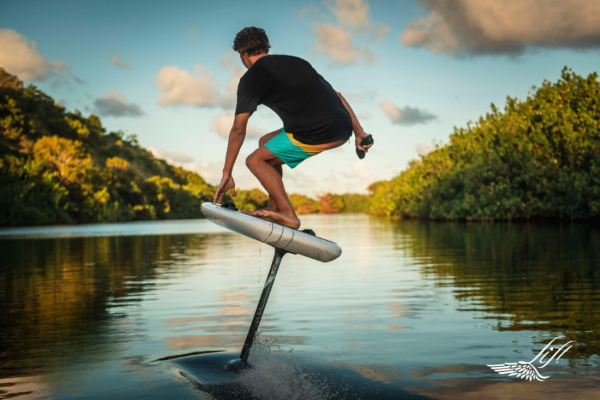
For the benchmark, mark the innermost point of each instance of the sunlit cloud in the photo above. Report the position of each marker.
(223, 122)
(405, 116)
(116, 60)
(172, 157)
(179, 87)
(423, 149)
(338, 41)
(211, 171)
(115, 105)
(231, 63)
(200, 88)
(20, 56)
(479, 27)
(357, 14)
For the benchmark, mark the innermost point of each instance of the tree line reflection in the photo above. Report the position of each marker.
(60, 297)
(524, 277)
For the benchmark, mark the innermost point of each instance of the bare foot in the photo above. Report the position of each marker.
(268, 208)
(289, 220)
(255, 212)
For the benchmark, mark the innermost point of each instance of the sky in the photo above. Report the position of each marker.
(412, 70)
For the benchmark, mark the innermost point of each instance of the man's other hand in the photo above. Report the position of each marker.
(226, 184)
(359, 146)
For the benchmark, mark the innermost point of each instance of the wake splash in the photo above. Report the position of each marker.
(274, 375)
(274, 372)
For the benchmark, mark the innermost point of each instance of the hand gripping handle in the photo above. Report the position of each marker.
(365, 142)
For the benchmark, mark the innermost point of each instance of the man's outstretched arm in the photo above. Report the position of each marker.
(356, 127)
(236, 139)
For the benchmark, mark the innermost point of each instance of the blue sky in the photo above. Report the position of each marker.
(411, 70)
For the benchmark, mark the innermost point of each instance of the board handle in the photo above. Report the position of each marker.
(229, 205)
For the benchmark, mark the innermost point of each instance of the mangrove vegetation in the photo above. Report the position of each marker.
(537, 159)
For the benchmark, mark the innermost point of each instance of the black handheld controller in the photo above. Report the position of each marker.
(365, 142)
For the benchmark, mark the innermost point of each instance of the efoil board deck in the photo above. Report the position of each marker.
(278, 236)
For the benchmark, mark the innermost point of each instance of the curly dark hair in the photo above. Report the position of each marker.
(252, 41)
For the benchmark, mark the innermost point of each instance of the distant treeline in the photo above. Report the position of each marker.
(328, 203)
(61, 167)
(540, 158)
(325, 203)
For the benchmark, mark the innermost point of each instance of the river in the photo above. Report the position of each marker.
(410, 310)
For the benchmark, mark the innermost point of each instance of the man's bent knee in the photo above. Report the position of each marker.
(262, 155)
(251, 161)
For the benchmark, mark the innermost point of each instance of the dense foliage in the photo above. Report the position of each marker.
(328, 203)
(325, 203)
(60, 167)
(540, 158)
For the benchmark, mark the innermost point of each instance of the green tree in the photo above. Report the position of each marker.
(58, 166)
(304, 204)
(66, 158)
(540, 158)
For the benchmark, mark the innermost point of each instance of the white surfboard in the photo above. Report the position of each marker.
(278, 236)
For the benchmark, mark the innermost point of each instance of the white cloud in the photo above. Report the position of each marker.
(390, 109)
(174, 158)
(476, 27)
(212, 172)
(296, 181)
(209, 171)
(423, 149)
(223, 121)
(337, 44)
(115, 105)
(405, 116)
(179, 87)
(20, 56)
(200, 89)
(231, 62)
(354, 178)
(353, 13)
(363, 172)
(116, 60)
(357, 14)
(337, 41)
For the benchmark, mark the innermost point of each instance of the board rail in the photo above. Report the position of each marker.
(276, 235)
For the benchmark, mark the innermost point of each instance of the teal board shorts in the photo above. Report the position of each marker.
(293, 152)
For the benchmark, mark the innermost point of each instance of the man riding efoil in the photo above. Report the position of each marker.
(315, 118)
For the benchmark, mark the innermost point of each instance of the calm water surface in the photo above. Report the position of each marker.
(410, 310)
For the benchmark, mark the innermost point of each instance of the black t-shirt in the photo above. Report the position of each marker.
(307, 104)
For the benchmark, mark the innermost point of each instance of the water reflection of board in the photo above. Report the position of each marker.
(278, 236)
